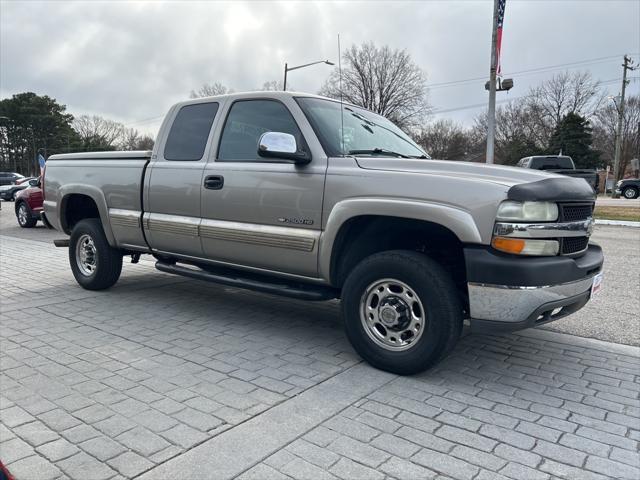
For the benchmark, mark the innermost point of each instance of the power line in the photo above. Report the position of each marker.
(507, 100)
(469, 80)
(144, 120)
(528, 71)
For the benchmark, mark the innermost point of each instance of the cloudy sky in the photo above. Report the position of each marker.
(130, 61)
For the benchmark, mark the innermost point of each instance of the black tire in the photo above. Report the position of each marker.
(437, 293)
(107, 261)
(630, 193)
(25, 216)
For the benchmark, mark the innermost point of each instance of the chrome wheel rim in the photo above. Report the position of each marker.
(86, 257)
(23, 215)
(392, 314)
(629, 193)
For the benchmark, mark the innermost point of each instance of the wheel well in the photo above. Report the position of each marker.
(362, 236)
(77, 207)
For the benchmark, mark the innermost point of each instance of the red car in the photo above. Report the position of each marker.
(29, 204)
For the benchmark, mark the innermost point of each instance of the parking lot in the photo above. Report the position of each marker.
(162, 377)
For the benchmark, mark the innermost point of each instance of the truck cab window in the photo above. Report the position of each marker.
(247, 121)
(188, 135)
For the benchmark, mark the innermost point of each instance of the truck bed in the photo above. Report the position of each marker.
(590, 176)
(112, 179)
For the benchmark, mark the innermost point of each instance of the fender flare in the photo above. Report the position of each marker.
(459, 221)
(97, 196)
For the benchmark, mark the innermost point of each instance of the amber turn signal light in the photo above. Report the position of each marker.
(509, 245)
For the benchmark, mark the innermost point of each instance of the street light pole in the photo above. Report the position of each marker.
(287, 69)
(284, 84)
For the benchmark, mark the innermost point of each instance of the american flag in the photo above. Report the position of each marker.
(501, 4)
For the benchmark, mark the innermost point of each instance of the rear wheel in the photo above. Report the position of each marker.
(95, 264)
(630, 193)
(401, 311)
(24, 216)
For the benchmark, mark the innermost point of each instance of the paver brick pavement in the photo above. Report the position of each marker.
(124, 382)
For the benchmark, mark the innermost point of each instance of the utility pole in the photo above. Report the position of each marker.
(616, 159)
(491, 120)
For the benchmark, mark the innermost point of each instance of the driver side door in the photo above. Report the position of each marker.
(263, 213)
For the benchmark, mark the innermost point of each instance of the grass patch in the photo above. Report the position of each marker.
(617, 213)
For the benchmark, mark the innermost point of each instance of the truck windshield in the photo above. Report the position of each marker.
(364, 132)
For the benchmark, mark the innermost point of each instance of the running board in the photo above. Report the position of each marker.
(253, 282)
(64, 242)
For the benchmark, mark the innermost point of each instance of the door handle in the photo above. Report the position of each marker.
(214, 182)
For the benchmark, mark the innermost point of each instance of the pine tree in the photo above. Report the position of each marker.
(573, 137)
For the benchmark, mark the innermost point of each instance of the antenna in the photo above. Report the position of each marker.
(341, 99)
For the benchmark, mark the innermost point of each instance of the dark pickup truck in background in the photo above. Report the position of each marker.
(561, 164)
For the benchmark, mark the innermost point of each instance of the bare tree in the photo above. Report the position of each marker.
(97, 132)
(516, 133)
(273, 86)
(382, 80)
(131, 139)
(605, 123)
(562, 94)
(210, 90)
(444, 140)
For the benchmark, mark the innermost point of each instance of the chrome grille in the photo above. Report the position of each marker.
(574, 244)
(574, 212)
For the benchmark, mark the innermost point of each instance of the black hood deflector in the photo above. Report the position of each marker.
(553, 190)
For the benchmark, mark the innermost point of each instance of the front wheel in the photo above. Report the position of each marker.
(95, 264)
(402, 312)
(630, 193)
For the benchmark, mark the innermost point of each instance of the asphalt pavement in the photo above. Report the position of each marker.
(607, 201)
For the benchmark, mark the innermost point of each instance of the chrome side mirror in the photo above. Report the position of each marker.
(282, 146)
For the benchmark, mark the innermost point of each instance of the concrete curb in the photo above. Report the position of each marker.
(592, 343)
(619, 223)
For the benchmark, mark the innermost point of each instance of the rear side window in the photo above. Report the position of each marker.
(189, 132)
(247, 121)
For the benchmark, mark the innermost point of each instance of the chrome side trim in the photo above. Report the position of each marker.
(290, 238)
(511, 304)
(582, 228)
(172, 224)
(124, 218)
(265, 235)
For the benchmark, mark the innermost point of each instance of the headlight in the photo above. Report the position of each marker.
(619, 182)
(527, 211)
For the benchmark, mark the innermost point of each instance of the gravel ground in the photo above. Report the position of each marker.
(613, 316)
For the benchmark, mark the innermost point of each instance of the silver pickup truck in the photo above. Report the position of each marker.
(303, 196)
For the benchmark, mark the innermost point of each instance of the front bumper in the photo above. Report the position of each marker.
(618, 191)
(508, 293)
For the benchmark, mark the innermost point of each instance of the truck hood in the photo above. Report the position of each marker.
(498, 174)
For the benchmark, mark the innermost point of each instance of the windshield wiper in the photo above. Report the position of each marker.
(377, 151)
